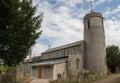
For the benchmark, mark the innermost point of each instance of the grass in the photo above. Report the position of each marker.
(24, 79)
(21, 80)
(89, 80)
(95, 77)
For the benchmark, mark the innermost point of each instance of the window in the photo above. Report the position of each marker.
(88, 24)
(34, 67)
(77, 64)
(59, 76)
(66, 52)
(75, 50)
(47, 67)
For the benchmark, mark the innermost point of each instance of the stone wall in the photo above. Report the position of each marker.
(47, 72)
(73, 63)
(62, 51)
(60, 69)
(24, 68)
(74, 53)
(94, 38)
(34, 72)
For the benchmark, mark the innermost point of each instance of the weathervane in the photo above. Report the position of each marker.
(49, 47)
(91, 5)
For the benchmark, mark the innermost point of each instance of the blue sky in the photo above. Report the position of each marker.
(63, 21)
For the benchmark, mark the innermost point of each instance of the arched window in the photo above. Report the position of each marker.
(77, 64)
(88, 23)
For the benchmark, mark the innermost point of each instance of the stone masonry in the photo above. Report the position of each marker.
(71, 59)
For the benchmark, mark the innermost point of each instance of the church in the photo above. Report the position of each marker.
(85, 55)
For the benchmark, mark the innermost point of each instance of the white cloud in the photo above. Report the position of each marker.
(38, 48)
(114, 13)
(62, 25)
(112, 24)
(98, 2)
(112, 32)
(59, 24)
(71, 3)
(117, 9)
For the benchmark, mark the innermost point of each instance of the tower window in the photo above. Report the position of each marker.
(88, 23)
(77, 64)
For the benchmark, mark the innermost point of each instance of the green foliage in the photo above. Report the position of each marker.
(113, 58)
(3, 68)
(6, 78)
(19, 28)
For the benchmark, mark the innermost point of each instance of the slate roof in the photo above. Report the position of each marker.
(64, 46)
(38, 58)
(49, 62)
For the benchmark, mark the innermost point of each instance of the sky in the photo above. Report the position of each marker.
(63, 22)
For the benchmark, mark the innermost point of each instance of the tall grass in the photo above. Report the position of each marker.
(90, 79)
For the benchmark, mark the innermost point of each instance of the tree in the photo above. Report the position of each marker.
(113, 58)
(19, 28)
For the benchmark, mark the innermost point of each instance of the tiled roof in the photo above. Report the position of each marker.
(64, 46)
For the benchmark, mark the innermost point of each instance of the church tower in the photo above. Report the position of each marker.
(94, 37)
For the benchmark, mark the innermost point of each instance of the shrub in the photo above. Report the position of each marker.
(6, 78)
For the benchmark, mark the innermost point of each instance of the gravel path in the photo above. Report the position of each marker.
(39, 81)
(111, 79)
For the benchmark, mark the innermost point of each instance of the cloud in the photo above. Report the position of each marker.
(38, 48)
(70, 3)
(63, 23)
(99, 2)
(112, 32)
(112, 13)
(112, 24)
(60, 25)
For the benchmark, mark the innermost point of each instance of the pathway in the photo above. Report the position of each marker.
(40, 81)
(111, 79)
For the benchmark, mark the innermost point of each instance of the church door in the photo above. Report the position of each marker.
(40, 72)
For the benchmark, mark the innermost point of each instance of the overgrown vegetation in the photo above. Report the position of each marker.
(113, 58)
(6, 78)
(89, 80)
(23, 80)
(3, 69)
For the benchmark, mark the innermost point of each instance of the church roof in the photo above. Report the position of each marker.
(64, 46)
(38, 58)
(50, 62)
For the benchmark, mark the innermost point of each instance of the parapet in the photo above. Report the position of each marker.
(93, 14)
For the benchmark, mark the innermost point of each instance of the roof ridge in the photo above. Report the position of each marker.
(63, 46)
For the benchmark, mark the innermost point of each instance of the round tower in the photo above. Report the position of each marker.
(94, 37)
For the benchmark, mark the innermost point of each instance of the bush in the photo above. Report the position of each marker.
(6, 78)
